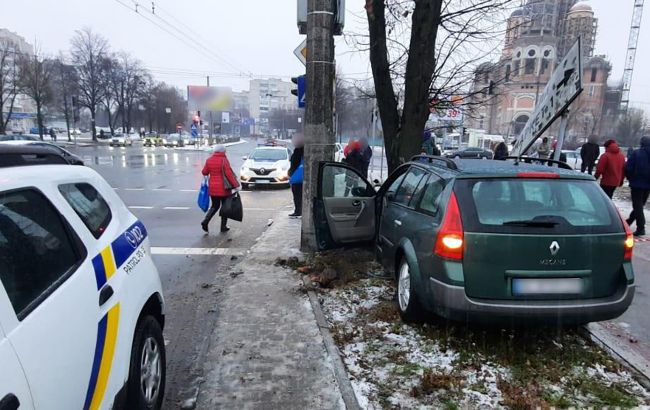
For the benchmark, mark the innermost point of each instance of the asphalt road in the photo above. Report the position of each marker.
(160, 187)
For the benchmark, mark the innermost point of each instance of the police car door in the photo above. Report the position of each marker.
(14, 391)
(48, 280)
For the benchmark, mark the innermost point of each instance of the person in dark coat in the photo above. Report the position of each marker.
(637, 171)
(354, 157)
(611, 167)
(366, 154)
(501, 152)
(589, 153)
(53, 134)
(429, 144)
(218, 169)
(297, 160)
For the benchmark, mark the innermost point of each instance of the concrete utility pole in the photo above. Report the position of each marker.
(319, 128)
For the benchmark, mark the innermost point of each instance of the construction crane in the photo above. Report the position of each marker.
(632, 42)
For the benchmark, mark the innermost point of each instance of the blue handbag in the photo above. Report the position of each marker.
(204, 197)
(298, 175)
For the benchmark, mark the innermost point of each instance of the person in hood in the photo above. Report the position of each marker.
(611, 168)
(501, 151)
(637, 171)
(544, 149)
(354, 157)
(589, 153)
(296, 175)
(429, 146)
(221, 182)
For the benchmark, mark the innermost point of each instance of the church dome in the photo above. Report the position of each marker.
(517, 13)
(581, 7)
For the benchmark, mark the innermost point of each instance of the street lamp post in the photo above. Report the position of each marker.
(168, 110)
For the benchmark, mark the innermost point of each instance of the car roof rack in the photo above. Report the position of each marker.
(531, 160)
(436, 161)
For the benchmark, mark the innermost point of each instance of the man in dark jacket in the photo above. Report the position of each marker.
(589, 153)
(296, 160)
(366, 155)
(637, 171)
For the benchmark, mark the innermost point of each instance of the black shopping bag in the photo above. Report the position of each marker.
(232, 208)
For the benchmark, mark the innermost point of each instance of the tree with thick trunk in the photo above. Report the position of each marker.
(8, 83)
(35, 81)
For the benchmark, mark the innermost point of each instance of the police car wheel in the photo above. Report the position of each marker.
(146, 384)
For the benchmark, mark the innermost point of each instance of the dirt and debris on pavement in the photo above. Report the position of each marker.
(440, 364)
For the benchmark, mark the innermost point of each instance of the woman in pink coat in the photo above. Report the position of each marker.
(217, 167)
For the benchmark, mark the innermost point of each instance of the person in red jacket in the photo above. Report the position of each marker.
(217, 167)
(611, 168)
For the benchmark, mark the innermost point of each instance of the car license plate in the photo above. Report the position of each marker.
(554, 286)
(262, 181)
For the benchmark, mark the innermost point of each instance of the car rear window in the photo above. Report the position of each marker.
(89, 205)
(519, 205)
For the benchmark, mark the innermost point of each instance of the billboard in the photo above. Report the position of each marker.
(202, 98)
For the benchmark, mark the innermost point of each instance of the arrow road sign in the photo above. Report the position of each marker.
(195, 132)
(301, 52)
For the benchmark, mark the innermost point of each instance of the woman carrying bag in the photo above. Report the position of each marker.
(221, 182)
(296, 174)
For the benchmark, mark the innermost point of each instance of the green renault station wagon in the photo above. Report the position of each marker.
(486, 241)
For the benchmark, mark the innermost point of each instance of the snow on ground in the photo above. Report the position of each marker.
(441, 365)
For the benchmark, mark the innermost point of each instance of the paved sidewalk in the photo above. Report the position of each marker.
(267, 351)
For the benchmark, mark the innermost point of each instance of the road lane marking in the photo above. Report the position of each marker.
(197, 251)
(140, 207)
(189, 190)
(162, 189)
(134, 189)
(177, 208)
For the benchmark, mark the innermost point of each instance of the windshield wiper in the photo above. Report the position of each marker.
(533, 223)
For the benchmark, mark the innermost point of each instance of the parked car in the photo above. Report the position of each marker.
(69, 157)
(573, 158)
(79, 294)
(486, 240)
(471, 152)
(173, 140)
(266, 166)
(339, 155)
(153, 140)
(121, 140)
(18, 137)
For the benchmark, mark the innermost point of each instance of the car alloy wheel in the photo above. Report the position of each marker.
(404, 287)
(150, 370)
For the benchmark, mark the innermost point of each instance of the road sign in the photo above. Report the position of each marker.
(195, 131)
(302, 90)
(301, 52)
(564, 86)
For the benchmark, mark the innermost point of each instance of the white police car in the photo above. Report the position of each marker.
(81, 304)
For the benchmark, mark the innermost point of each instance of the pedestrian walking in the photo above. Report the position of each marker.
(296, 175)
(589, 153)
(366, 154)
(544, 149)
(637, 171)
(429, 146)
(222, 180)
(53, 134)
(501, 151)
(611, 168)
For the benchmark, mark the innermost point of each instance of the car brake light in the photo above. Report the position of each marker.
(450, 243)
(629, 240)
(545, 175)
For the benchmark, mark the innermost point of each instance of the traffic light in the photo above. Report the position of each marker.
(294, 91)
(300, 90)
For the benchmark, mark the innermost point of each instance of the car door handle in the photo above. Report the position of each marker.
(398, 222)
(105, 294)
(9, 402)
(356, 203)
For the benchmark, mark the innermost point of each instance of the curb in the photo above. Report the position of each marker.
(633, 361)
(340, 373)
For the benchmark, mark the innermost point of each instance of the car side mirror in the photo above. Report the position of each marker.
(244, 158)
(359, 192)
(390, 196)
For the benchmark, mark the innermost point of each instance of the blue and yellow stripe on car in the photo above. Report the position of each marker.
(106, 265)
(104, 351)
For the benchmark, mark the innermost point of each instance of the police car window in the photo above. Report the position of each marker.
(89, 205)
(37, 252)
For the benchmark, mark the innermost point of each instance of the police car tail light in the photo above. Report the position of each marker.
(450, 243)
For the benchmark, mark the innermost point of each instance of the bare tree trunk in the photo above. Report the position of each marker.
(39, 118)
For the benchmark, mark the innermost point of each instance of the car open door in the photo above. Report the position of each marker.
(344, 210)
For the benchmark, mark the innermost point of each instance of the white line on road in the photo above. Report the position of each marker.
(189, 190)
(161, 189)
(134, 189)
(197, 251)
(177, 208)
(141, 207)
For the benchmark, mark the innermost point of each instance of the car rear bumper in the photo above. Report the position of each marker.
(451, 302)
